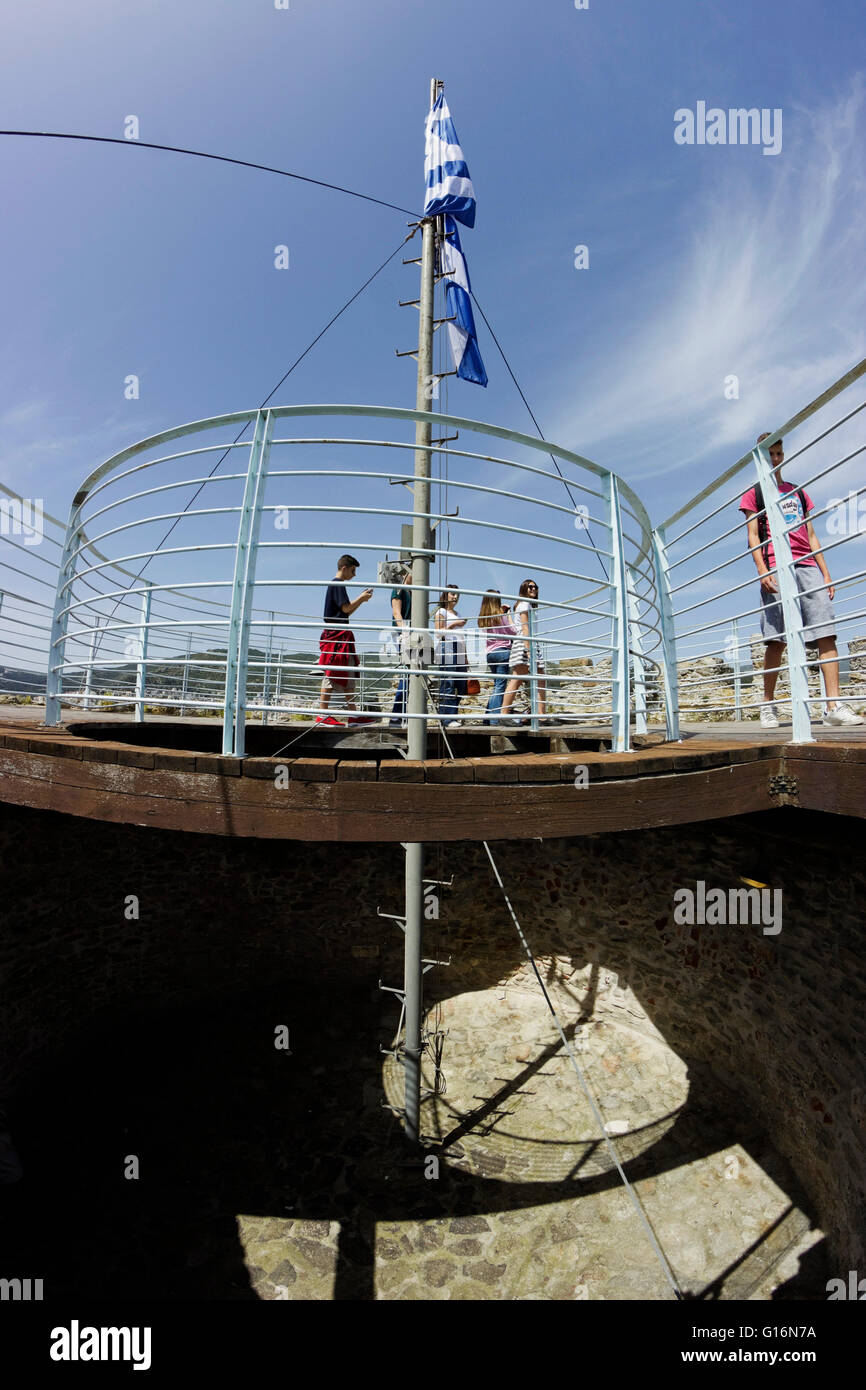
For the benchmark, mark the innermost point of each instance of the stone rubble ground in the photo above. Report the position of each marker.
(706, 683)
(704, 1190)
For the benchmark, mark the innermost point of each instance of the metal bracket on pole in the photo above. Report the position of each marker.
(392, 989)
(234, 741)
(141, 654)
(185, 686)
(620, 670)
(431, 964)
(636, 648)
(392, 917)
(669, 636)
(788, 596)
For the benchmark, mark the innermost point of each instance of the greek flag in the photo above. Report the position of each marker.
(461, 334)
(449, 187)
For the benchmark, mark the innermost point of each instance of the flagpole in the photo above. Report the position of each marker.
(417, 703)
(417, 695)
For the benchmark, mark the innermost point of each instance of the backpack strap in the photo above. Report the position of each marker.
(763, 527)
(763, 524)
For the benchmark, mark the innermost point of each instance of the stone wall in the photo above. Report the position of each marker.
(707, 693)
(709, 681)
(779, 1018)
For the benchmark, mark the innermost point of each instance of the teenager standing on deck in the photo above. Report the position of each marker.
(401, 618)
(337, 642)
(498, 627)
(816, 598)
(450, 655)
(520, 657)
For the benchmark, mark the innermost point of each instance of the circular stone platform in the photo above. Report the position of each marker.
(535, 1117)
(513, 1110)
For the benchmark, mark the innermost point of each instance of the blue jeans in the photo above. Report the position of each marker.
(399, 707)
(452, 688)
(497, 662)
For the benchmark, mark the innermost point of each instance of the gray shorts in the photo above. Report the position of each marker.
(816, 610)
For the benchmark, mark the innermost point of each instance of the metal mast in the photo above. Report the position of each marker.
(417, 701)
(417, 704)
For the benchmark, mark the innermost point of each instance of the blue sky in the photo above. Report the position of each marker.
(704, 261)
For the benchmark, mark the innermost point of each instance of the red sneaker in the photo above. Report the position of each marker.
(329, 719)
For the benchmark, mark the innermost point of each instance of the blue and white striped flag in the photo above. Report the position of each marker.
(449, 187)
(461, 334)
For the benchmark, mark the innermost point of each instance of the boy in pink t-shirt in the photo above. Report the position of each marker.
(816, 607)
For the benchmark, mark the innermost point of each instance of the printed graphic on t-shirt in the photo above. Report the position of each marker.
(793, 516)
(791, 508)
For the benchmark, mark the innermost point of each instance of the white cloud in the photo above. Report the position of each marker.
(769, 287)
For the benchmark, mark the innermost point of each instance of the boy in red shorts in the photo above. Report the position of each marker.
(337, 642)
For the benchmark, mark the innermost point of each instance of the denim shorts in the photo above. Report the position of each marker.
(816, 610)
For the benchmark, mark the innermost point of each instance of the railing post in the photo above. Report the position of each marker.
(60, 615)
(234, 725)
(789, 596)
(669, 636)
(279, 678)
(185, 685)
(737, 665)
(636, 646)
(619, 670)
(141, 655)
(266, 684)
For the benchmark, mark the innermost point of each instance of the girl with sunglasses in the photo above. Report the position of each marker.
(520, 658)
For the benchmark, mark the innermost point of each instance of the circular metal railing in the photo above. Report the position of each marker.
(192, 578)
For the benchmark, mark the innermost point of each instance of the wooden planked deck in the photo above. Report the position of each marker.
(715, 771)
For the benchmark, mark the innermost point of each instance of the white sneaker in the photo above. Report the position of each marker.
(769, 717)
(841, 715)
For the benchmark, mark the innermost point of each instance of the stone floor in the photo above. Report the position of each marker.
(271, 1174)
(513, 1114)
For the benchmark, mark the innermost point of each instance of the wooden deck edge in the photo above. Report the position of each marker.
(519, 797)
